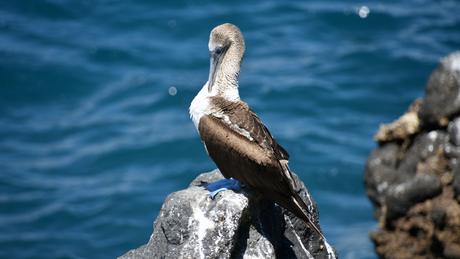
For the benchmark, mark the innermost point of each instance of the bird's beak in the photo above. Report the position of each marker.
(217, 55)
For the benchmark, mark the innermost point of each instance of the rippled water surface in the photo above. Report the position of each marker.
(94, 97)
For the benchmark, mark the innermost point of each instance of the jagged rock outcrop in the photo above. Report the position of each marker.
(235, 224)
(413, 178)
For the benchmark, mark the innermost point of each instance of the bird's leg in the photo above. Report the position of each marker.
(223, 185)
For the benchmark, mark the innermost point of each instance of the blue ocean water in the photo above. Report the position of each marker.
(94, 97)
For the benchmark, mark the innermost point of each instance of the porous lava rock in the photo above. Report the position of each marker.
(413, 178)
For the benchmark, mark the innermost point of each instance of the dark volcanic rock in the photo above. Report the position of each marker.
(442, 100)
(456, 179)
(402, 197)
(413, 178)
(232, 225)
(454, 131)
(380, 174)
(438, 216)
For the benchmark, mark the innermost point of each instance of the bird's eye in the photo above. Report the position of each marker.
(218, 50)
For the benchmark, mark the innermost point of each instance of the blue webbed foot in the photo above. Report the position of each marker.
(223, 185)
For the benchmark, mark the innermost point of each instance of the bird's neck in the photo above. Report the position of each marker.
(226, 83)
(226, 90)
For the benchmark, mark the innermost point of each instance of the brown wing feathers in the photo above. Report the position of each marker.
(238, 157)
(242, 115)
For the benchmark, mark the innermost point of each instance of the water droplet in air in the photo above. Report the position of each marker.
(172, 91)
(363, 11)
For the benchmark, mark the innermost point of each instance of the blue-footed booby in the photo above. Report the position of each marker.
(234, 137)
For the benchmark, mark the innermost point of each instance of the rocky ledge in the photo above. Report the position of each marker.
(233, 224)
(413, 178)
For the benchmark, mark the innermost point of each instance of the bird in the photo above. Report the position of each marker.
(234, 137)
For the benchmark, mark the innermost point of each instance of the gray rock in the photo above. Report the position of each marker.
(430, 143)
(407, 166)
(454, 130)
(424, 146)
(235, 224)
(402, 197)
(438, 216)
(380, 174)
(451, 151)
(442, 90)
(390, 174)
(456, 178)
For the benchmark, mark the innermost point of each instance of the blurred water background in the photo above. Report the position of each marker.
(94, 96)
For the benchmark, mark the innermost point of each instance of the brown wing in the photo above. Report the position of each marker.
(239, 158)
(253, 164)
(240, 114)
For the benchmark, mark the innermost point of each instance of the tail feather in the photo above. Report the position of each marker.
(298, 207)
(303, 216)
(293, 204)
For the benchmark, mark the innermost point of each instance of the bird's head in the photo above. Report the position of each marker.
(226, 49)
